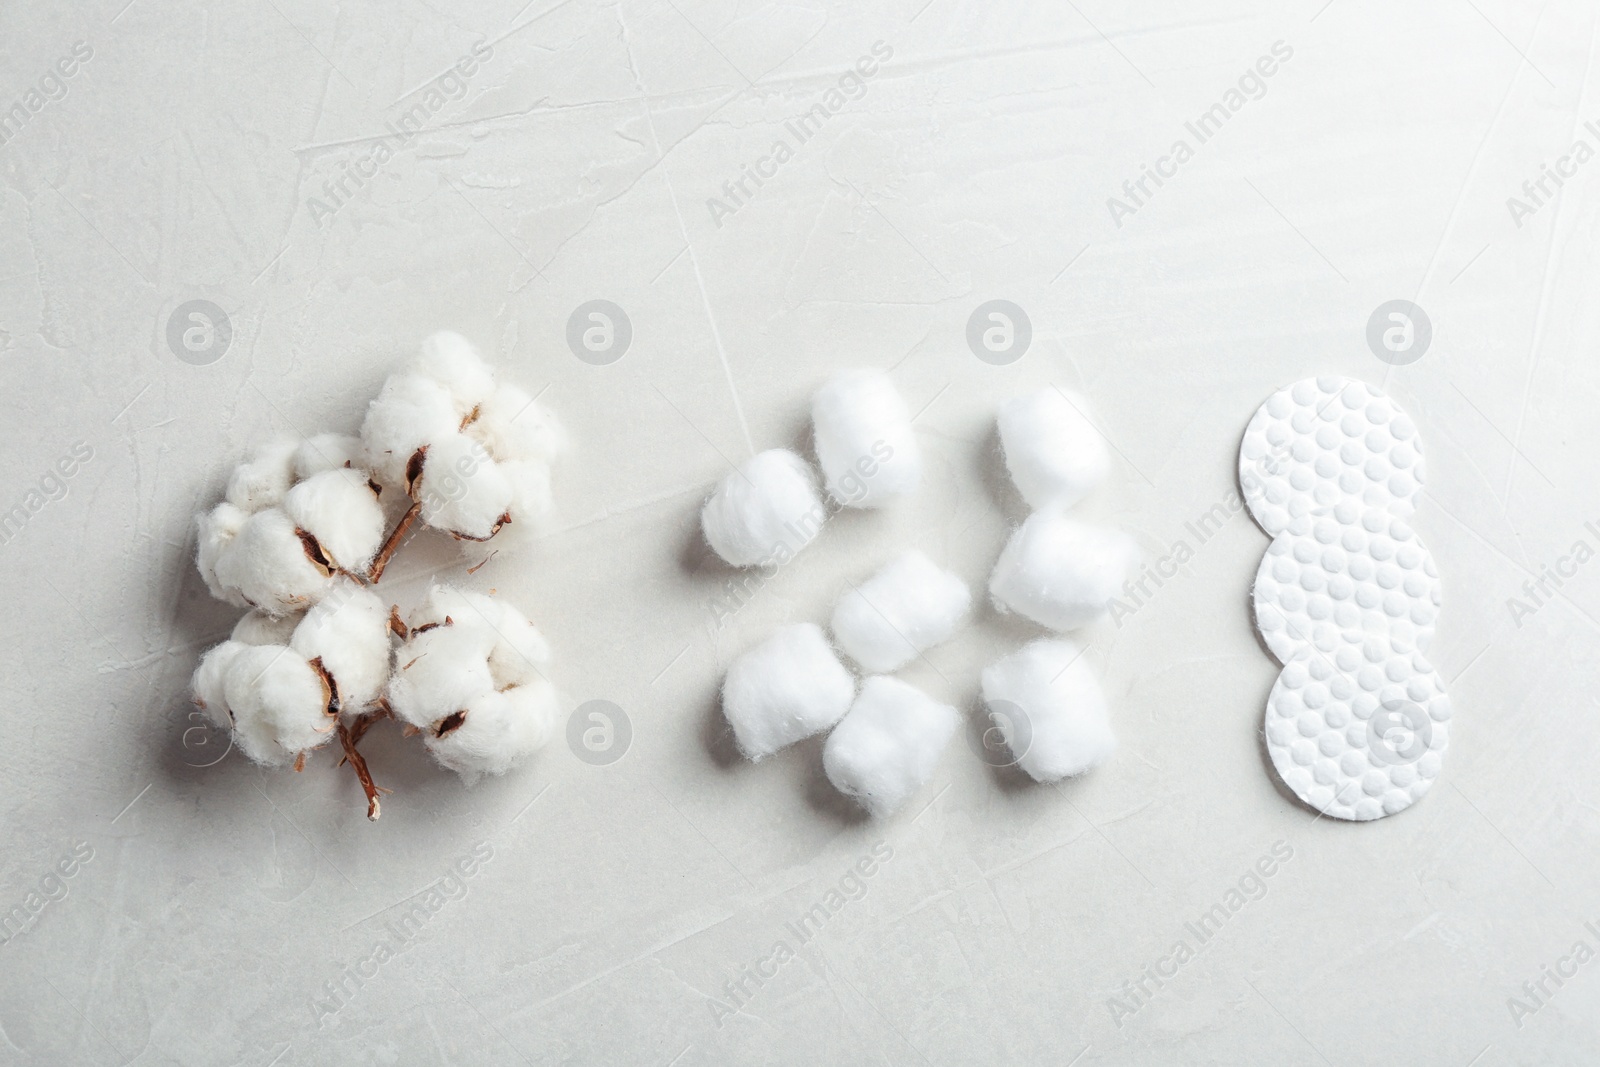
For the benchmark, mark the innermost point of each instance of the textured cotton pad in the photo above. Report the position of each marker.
(1325, 441)
(765, 511)
(1054, 453)
(788, 687)
(1048, 704)
(1358, 738)
(1343, 580)
(1346, 598)
(888, 745)
(863, 438)
(909, 606)
(1060, 572)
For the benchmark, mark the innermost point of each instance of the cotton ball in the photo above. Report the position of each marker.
(1054, 453)
(453, 362)
(1053, 711)
(206, 688)
(765, 511)
(514, 426)
(410, 412)
(887, 746)
(439, 669)
(216, 530)
(326, 452)
(864, 441)
(340, 509)
(496, 730)
(530, 493)
(520, 652)
(259, 628)
(909, 606)
(786, 688)
(279, 704)
(261, 482)
(348, 633)
(272, 566)
(462, 490)
(1060, 572)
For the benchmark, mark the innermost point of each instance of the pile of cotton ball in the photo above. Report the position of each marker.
(887, 736)
(300, 539)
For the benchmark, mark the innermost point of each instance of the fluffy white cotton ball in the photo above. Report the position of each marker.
(340, 509)
(514, 426)
(887, 746)
(276, 702)
(1049, 705)
(764, 512)
(347, 632)
(411, 411)
(259, 628)
(216, 531)
(463, 491)
(1054, 453)
(262, 481)
(454, 362)
(864, 441)
(326, 452)
(496, 730)
(271, 567)
(907, 607)
(470, 676)
(1060, 572)
(788, 687)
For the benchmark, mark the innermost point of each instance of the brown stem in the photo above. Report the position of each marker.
(392, 542)
(348, 738)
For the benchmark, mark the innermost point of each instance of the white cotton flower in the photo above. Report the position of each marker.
(340, 509)
(347, 633)
(262, 481)
(474, 456)
(272, 566)
(326, 452)
(274, 700)
(470, 677)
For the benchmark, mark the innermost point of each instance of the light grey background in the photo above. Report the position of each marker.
(975, 165)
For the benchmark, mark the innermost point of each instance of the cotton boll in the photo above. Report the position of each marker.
(530, 493)
(261, 482)
(279, 704)
(496, 730)
(1052, 708)
(326, 452)
(1054, 453)
(348, 633)
(786, 688)
(765, 511)
(217, 529)
(453, 362)
(1061, 573)
(909, 606)
(410, 412)
(462, 490)
(207, 686)
(341, 510)
(887, 746)
(259, 628)
(514, 426)
(271, 566)
(864, 441)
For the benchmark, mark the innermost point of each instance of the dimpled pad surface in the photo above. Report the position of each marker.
(1325, 441)
(1355, 575)
(1358, 736)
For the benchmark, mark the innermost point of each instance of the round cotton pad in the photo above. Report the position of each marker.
(1343, 579)
(1356, 738)
(1324, 441)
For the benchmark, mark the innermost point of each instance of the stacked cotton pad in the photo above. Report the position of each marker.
(886, 738)
(1346, 598)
